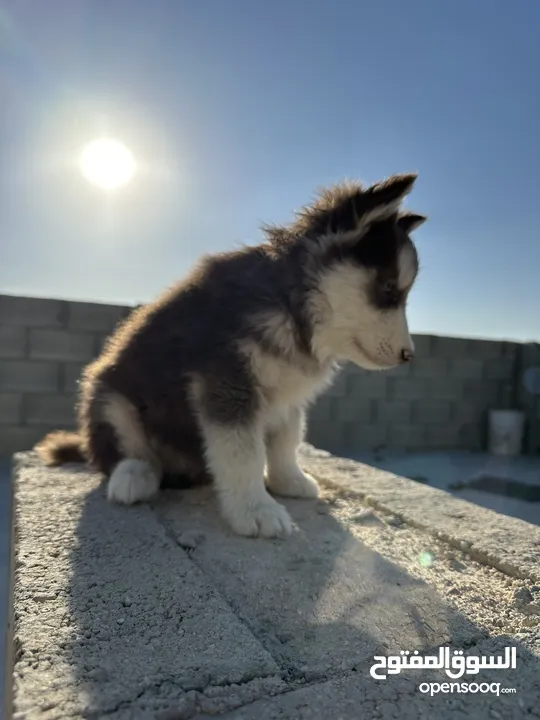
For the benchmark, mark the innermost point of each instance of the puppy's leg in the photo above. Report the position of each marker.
(284, 476)
(137, 477)
(132, 481)
(235, 454)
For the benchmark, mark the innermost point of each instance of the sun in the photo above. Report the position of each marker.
(107, 164)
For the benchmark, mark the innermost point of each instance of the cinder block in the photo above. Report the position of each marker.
(32, 312)
(12, 341)
(472, 435)
(321, 411)
(352, 409)
(339, 386)
(443, 437)
(350, 368)
(129, 310)
(16, 438)
(444, 388)
(61, 345)
(429, 367)
(423, 345)
(72, 375)
(361, 436)
(467, 412)
(10, 408)
(501, 368)
(369, 385)
(407, 437)
(399, 371)
(407, 388)
(466, 369)
(99, 344)
(506, 393)
(482, 392)
(326, 436)
(27, 376)
(511, 349)
(393, 411)
(450, 347)
(485, 349)
(94, 317)
(55, 410)
(530, 353)
(433, 411)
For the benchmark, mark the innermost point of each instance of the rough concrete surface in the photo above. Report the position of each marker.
(162, 612)
(5, 524)
(483, 532)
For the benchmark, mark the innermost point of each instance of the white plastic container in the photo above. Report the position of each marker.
(506, 429)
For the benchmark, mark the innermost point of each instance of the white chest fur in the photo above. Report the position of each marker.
(284, 384)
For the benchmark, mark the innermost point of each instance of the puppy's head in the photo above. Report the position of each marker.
(362, 265)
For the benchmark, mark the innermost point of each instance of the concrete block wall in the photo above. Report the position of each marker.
(44, 344)
(440, 401)
(528, 393)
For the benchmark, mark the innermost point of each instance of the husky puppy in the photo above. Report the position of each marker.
(212, 380)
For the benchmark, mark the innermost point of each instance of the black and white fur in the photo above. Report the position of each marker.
(212, 380)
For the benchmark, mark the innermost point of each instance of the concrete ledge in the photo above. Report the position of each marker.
(159, 611)
(502, 542)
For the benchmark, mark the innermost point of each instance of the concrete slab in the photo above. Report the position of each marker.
(399, 697)
(108, 606)
(506, 543)
(161, 612)
(320, 600)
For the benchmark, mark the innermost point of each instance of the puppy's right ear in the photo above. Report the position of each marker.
(410, 221)
(384, 198)
(356, 207)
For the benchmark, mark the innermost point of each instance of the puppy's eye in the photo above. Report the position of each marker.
(389, 288)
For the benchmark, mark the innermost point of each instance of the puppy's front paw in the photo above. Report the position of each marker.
(132, 481)
(293, 482)
(263, 517)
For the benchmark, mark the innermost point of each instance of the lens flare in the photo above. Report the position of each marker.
(427, 558)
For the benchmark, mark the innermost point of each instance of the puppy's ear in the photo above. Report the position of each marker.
(359, 206)
(351, 208)
(384, 198)
(410, 221)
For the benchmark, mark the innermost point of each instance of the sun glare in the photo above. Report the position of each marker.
(107, 164)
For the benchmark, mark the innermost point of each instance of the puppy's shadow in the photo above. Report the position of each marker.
(165, 599)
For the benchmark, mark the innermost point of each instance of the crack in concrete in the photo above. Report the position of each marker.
(198, 695)
(235, 611)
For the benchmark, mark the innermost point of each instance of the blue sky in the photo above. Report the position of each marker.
(237, 110)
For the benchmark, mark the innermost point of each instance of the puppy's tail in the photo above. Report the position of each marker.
(61, 447)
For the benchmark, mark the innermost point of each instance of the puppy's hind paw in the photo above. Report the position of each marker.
(132, 481)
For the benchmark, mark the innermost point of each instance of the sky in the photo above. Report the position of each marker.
(236, 111)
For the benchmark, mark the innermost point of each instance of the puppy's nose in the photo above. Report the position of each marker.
(406, 355)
